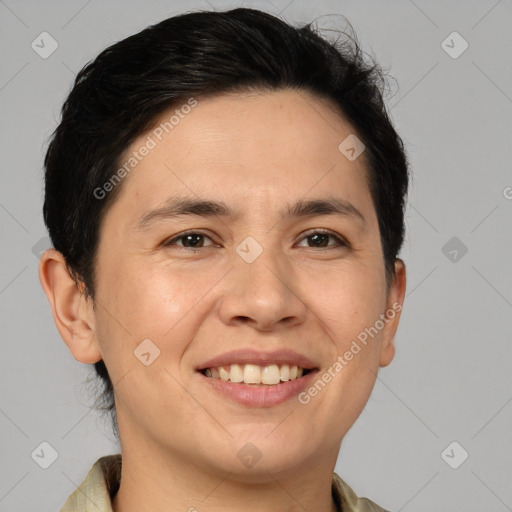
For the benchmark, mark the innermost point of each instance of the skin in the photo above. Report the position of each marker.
(179, 439)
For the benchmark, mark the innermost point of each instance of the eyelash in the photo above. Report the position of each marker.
(341, 242)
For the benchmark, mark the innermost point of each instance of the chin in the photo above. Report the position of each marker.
(261, 460)
(263, 471)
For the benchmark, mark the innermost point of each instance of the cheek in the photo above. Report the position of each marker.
(136, 304)
(153, 301)
(349, 303)
(151, 298)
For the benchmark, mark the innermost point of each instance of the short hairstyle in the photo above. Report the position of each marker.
(118, 96)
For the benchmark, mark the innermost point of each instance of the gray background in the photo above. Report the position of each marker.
(450, 380)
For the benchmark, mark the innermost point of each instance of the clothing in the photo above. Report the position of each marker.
(102, 482)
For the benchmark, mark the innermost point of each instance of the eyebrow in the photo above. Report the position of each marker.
(182, 206)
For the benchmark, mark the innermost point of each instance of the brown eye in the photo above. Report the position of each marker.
(320, 239)
(190, 240)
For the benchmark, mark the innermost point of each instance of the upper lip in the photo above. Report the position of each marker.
(262, 358)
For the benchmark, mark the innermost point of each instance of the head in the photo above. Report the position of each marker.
(236, 123)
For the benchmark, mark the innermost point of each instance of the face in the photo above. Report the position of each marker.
(254, 270)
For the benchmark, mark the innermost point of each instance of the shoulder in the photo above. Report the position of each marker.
(100, 484)
(348, 500)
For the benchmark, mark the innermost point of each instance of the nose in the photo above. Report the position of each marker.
(263, 294)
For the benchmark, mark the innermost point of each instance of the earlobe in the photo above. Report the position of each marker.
(72, 312)
(393, 311)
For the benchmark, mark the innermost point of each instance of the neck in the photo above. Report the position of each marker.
(155, 480)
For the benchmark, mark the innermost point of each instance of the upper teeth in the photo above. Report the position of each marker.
(254, 374)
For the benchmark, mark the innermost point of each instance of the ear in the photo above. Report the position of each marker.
(73, 314)
(394, 304)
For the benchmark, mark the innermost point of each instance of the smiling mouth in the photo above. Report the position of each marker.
(253, 374)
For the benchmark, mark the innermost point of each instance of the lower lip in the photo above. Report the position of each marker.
(259, 396)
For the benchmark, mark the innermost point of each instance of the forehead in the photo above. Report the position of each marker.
(245, 147)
